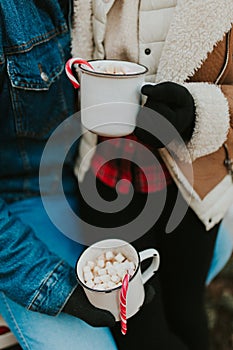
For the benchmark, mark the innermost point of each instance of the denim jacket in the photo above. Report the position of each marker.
(35, 97)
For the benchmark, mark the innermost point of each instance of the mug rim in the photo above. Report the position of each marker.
(111, 289)
(110, 75)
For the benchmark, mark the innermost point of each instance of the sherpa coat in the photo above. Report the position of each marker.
(198, 52)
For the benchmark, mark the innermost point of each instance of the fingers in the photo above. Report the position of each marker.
(79, 306)
(92, 315)
(167, 92)
(153, 125)
(149, 293)
(101, 318)
(152, 115)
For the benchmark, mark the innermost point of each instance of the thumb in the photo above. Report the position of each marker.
(148, 89)
(101, 317)
(168, 92)
(79, 306)
(149, 293)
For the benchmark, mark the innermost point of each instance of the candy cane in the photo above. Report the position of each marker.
(123, 294)
(68, 69)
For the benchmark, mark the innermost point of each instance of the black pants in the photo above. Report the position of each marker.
(175, 319)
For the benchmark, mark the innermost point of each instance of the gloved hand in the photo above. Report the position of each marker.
(172, 102)
(79, 306)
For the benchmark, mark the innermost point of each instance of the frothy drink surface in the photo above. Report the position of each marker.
(114, 69)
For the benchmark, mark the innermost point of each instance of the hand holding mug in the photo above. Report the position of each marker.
(107, 295)
(170, 101)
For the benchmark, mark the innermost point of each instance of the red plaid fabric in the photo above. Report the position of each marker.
(4, 330)
(127, 159)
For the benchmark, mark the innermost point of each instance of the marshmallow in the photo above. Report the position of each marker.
(109, 255)
(104, 278)
(111, 271)
(97, 280)
(96, 270)
(101, 263)
(90, 284)
(91, 264)
(108, 264)
(102, 271)
(100, 286)
(107, 271)
(115, 278)
(111, 284)
(119, 257)
(86, 269)
(88, 276)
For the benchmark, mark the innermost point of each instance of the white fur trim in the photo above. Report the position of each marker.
(211, 125)
(196, 27)
(82, 36)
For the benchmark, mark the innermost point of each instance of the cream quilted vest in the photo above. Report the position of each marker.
(156, 14)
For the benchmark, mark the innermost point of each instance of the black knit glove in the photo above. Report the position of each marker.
(79, 306)
(170, 101)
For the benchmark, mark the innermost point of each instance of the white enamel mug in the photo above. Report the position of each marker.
(110, 94)
(109, 299)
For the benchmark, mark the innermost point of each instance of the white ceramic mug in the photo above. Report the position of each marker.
(109, 299)
(110, 94)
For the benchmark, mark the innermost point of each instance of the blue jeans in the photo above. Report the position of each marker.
(223, 246)
(39, 331)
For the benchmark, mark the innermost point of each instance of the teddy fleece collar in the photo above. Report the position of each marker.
(195, 29)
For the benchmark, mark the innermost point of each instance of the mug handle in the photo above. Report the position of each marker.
(149, 272)
(68, 69)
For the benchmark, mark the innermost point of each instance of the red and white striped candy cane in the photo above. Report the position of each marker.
(123, 294)
(68, 69)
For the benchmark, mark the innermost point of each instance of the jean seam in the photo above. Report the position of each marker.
(36, 41)
(17, 328)
(37, 297)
